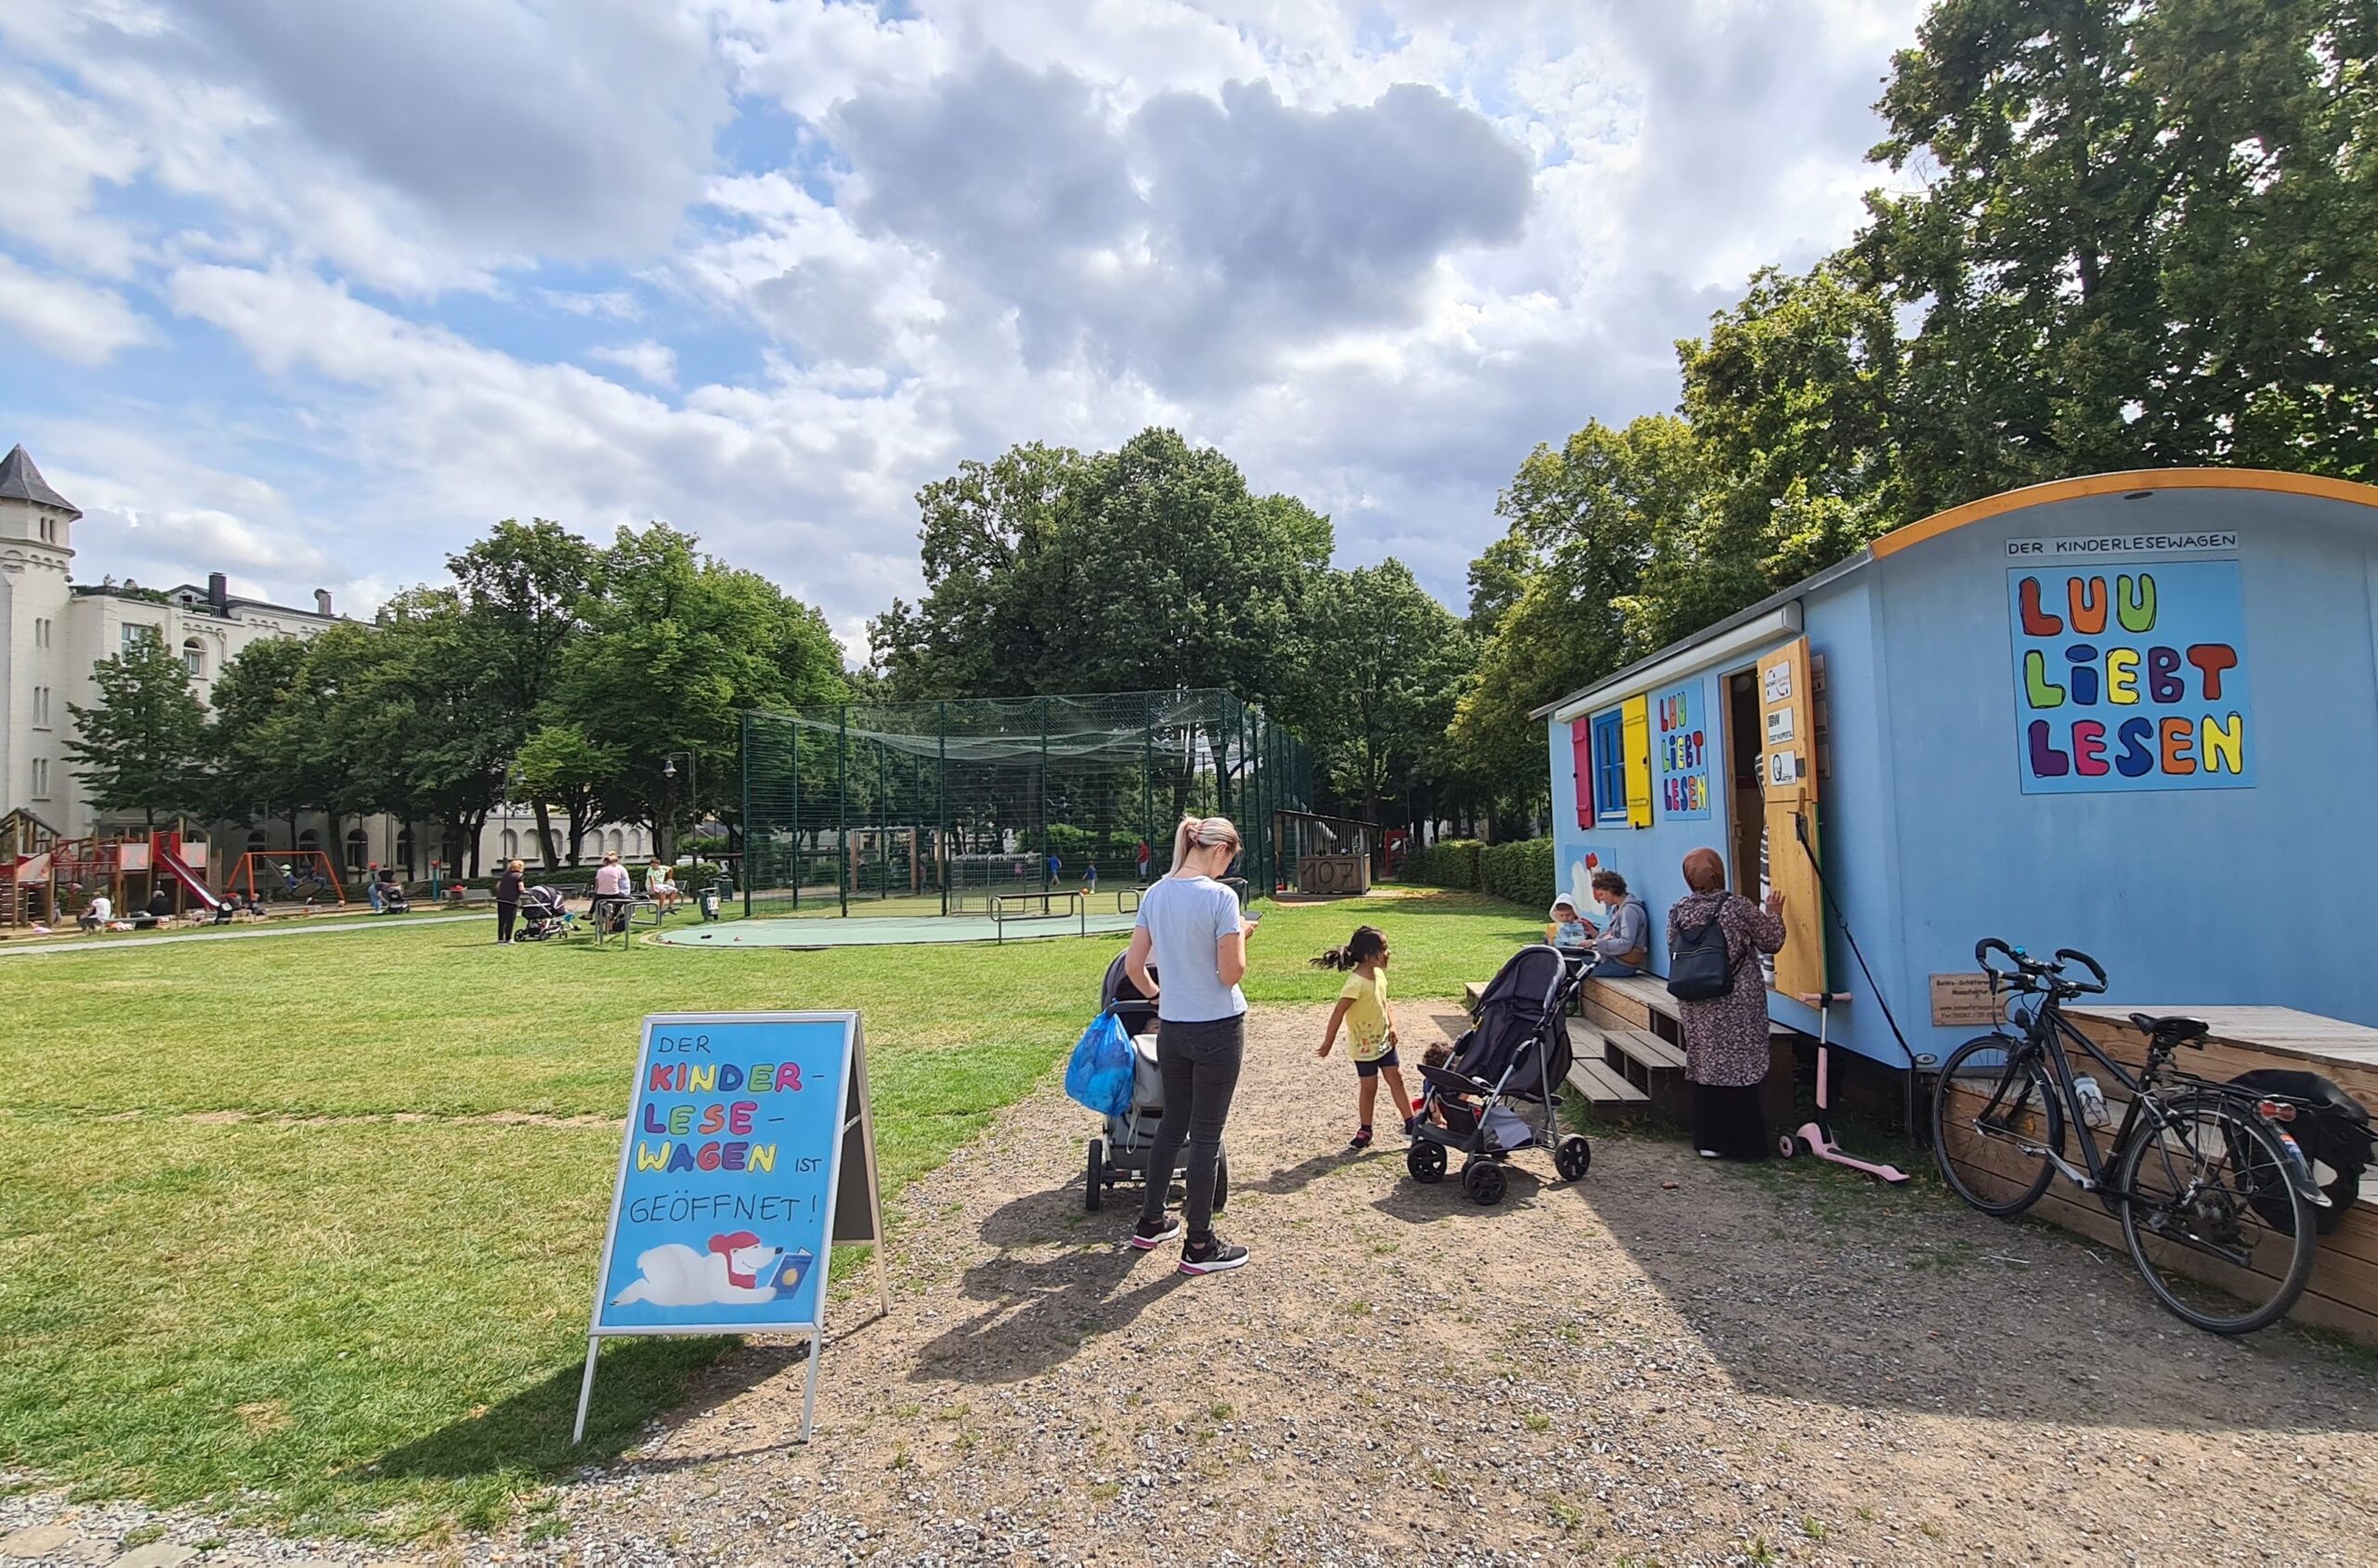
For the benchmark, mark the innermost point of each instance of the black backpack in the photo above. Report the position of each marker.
(2330, 1127)
(1700, 968)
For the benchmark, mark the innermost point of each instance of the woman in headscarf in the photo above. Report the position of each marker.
(1726, 1035)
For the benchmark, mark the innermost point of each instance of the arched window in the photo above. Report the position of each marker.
(358, 846)
(619, 842)
(310, 842)
(591, 844)
(511, 844)
(255, 840)
(194, 657)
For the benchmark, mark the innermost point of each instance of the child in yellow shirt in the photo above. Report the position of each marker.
(1371, 1027)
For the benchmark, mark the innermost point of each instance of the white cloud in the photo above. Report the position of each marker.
(653, 363)
(76, 322)
(1375, 249)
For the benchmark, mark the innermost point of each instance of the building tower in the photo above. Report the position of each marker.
(36, 544)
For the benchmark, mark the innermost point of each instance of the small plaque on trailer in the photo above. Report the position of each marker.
(1964, 1001)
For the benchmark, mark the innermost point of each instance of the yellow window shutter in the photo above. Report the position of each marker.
(1637, 723)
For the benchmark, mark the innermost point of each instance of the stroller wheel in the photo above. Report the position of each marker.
(1482, 1180)
(1573, 1158)
(1093, 1192)
(1425, 1161)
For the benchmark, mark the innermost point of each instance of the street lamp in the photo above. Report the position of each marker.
(693, 781)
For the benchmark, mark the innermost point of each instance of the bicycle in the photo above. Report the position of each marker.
(2198, 1173)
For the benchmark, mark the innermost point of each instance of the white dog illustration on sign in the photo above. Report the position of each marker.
(737, 1271)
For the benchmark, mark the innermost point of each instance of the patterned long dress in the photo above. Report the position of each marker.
(1725, 1037)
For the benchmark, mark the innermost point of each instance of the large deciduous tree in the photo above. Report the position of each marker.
(1388, 660)
(140, 748)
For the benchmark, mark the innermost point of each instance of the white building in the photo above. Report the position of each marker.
(54, 632)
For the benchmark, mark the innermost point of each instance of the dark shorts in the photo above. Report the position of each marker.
(1371, 1067)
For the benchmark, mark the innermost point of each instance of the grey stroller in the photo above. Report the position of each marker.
(1122, 1154)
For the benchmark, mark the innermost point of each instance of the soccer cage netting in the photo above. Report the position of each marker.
(936, 807)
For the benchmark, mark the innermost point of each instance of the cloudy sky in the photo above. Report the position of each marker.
(311, 293)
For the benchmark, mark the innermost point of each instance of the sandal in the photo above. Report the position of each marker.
(1361, 1140)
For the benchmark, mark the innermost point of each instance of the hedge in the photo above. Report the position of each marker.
(1521, 871)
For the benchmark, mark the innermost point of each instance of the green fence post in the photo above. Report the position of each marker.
(796, 815)
(941, 790)
(1147, 788)
(748, 853)
(1044, 805)
(842, 808)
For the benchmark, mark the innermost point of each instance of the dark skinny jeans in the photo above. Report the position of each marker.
(1200, 1065)
(504, 915)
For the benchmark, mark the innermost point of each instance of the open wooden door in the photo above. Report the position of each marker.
(1788, 777)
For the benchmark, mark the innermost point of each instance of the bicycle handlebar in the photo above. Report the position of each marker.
(2029, 974)
(2076, 955)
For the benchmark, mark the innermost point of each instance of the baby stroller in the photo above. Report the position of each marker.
(1122, 1154)
(1500, 1090)
(543, 914)
(392, 899)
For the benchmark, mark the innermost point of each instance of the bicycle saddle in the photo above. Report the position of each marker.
(2183, 1032)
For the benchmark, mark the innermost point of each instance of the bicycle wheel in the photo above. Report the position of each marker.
(1994, 1117)
(2218, 1232)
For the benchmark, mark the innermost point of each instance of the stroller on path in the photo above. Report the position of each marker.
(1122, 1154)
(1500, 1091)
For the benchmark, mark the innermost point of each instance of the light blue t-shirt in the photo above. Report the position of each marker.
(1187, 919)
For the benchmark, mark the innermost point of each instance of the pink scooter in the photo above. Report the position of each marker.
(1816, 1137)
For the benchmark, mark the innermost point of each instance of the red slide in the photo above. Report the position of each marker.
(166, 861)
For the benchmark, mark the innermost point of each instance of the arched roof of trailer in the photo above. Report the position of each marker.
(2135, 481)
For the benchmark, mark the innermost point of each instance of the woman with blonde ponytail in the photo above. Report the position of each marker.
(1192, 930)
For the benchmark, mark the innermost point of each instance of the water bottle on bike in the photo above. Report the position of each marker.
(2092, 1102)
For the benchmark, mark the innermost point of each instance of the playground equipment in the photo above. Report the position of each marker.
(285, 873)
(49, 877)
(952, 806)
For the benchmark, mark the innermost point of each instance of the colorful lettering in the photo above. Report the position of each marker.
(649, 1157)
(2047, 760)
(763, 1156)
(661, 1081)
(2135, 603)
(2089, 747)
(2121, 675)
(2037, 688)
(2137, 758)
(2084, 675)
(2085, 600)
(2179, 736)
(2037, 622)
(701, 1081)
(788, 1078)
(2163, 683)
(2212, 660)
(2223, 743)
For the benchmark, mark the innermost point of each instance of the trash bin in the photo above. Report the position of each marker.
(709, 905)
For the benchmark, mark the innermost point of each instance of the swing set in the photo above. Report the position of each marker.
(286, 874)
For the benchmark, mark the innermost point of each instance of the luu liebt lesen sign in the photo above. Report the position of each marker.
(2131, 676)
(1680, 740)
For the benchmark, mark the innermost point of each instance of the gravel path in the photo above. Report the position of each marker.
(1669, 1362)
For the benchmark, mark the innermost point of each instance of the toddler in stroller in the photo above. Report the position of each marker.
(1121, 1154)
(543, 914)
(1500, 1090)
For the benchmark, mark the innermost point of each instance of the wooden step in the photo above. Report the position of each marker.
(1603, 1086)
(1642, 1001)
(1472, 993)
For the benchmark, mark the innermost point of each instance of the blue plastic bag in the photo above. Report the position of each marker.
(1099, 1075)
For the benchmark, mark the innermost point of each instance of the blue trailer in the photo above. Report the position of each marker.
(2133, 713)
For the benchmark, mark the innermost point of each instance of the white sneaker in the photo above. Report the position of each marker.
(1708, 1154)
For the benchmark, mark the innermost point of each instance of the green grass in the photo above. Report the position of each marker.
(268, 1241)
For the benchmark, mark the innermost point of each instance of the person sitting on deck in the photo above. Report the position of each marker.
(1567, 932)
(1623, 940)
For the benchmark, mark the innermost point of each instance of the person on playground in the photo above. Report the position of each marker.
(1190, 925)
(101, 910)
(1143, 858)
(371, 886)
(1362, 1008)
(508, 888)
(660, 886)
(1090, 878)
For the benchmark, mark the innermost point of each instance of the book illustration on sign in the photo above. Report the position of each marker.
(736, 1270)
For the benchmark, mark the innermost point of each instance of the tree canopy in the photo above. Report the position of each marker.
(138, 749)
